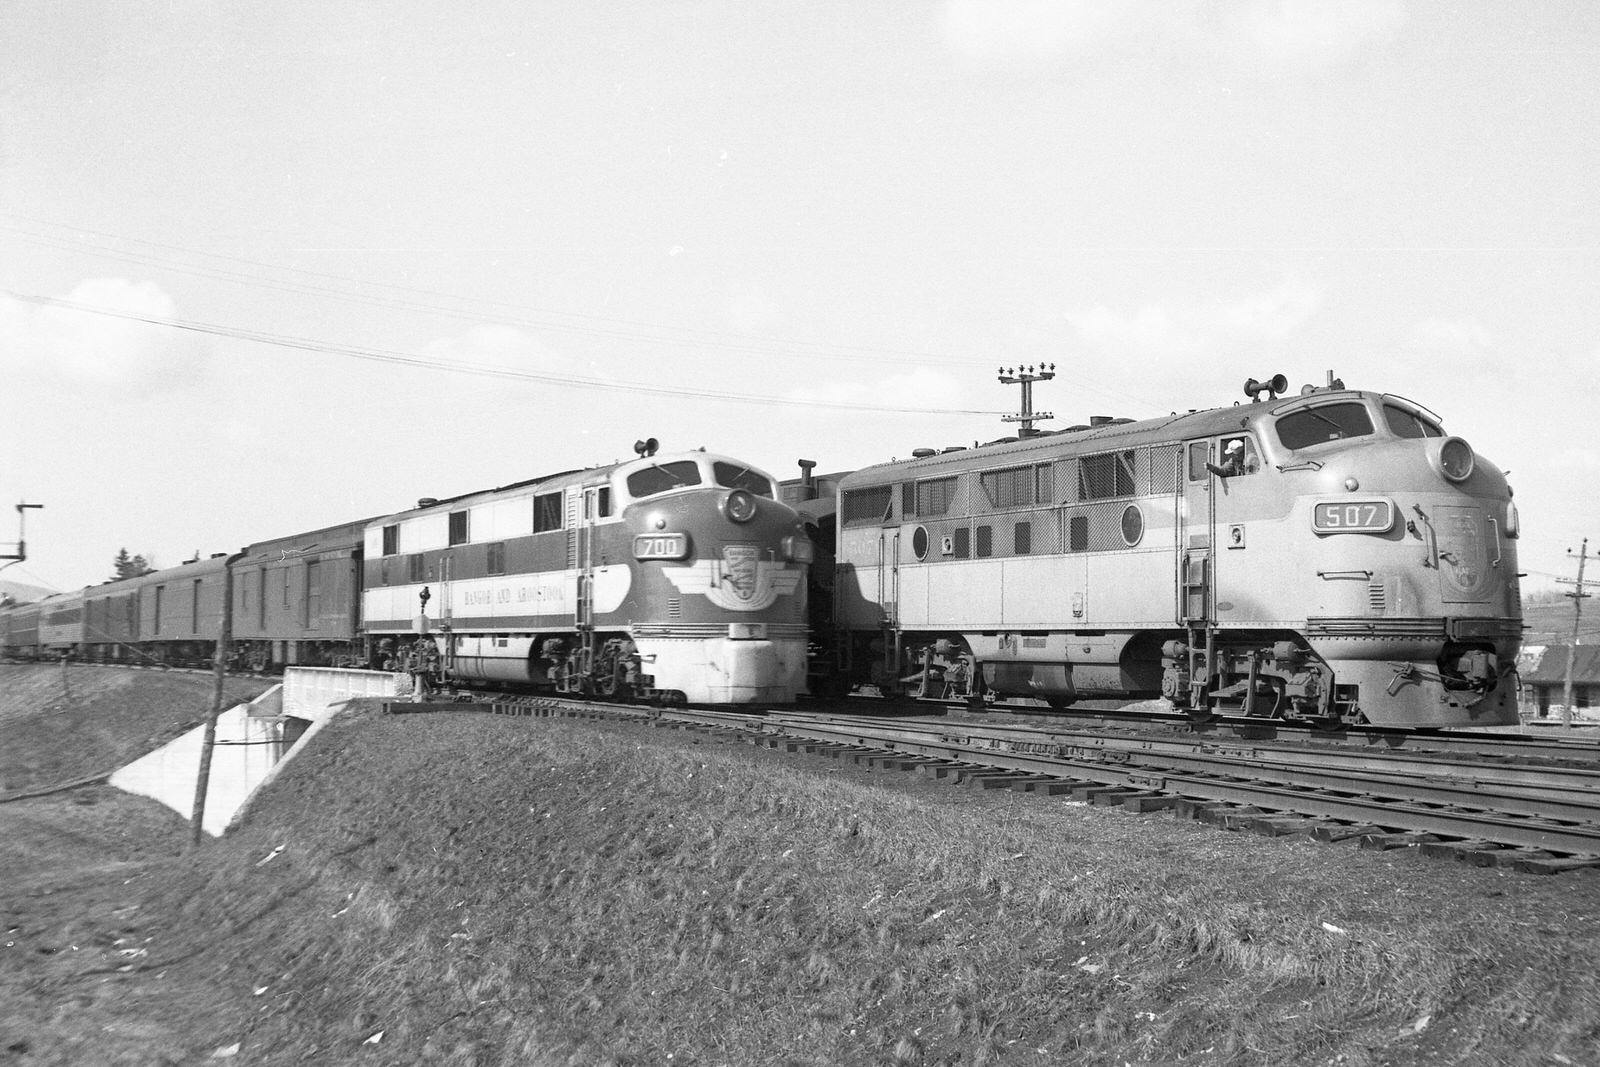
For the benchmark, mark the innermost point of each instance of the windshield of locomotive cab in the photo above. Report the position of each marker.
(1319, 425)
(663, 478)
(736, 476)
(1403, 423)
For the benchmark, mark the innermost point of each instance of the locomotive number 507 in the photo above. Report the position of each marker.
(1353, 516)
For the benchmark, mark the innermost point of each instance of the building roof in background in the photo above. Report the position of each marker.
(1552, 666)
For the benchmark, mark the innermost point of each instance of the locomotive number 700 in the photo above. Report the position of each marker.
(1353, 516)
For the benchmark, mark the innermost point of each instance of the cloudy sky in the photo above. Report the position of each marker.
(268, 267)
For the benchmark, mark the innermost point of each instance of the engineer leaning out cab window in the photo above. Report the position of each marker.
(1239, 457)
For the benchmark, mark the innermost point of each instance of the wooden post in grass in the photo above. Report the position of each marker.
(1578, 597)
(220, 663)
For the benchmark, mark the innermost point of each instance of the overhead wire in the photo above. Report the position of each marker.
(506, 313)
(616, 328)
(380, 355)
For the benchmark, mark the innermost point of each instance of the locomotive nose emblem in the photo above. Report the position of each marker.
(741, 569)
(737, 581)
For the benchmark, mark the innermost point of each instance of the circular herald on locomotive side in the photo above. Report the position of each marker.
(1332, 556)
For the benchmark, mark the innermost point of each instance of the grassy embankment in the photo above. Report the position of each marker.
(458, 889)
(60, 724)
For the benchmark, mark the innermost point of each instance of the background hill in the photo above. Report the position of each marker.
(24, 593)
(1551, 624)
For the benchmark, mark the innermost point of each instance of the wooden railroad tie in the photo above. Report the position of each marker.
(1383, 842)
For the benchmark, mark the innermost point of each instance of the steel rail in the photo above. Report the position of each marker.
(1563, 784)
(1488, 741)
(1338, 807)
(1250, 788)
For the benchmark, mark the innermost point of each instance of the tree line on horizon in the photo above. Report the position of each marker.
(126, 566)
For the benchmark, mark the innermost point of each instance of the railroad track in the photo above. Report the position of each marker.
(1533, 815)
(1493, 743)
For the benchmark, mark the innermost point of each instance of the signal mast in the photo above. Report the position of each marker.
(1025, 377)
(21, 546)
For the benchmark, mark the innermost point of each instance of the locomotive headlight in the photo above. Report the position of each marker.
(798, 549)
(1513, 521)
(739, 506)
(1454, 459)
(1351, 484)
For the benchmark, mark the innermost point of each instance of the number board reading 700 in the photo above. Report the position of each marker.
(661, 546)
(1353, 516)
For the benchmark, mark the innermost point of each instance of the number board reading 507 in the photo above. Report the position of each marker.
(1353, 516)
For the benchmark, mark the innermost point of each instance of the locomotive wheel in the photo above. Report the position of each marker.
(1268, 703)
(611, 669)
(566, 675)
(608, 675)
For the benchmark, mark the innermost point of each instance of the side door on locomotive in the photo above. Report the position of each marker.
(1227, 492)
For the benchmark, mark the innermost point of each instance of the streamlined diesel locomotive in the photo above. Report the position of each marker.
(675, 578)
(1332, 556)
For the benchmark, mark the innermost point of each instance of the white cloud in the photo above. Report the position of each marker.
(1275, 37)
(1581, 460)
(1449, 337)
(842, 439)
(56, 345)
(1197, 331)
(1012, 31)
(750, 309)
(919, 388)
(1283, 36)
(493, 346)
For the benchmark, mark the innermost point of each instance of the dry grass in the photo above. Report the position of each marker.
(485, 891)
(510, 889)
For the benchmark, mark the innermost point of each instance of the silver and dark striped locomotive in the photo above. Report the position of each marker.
(678, 578)
(1333, 555)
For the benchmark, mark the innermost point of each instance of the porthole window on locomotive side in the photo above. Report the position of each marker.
(919, 542)
(1132, 525)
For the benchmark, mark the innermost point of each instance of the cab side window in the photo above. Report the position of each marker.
(1236, 456)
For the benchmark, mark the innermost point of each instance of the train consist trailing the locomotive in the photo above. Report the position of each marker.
(679, 578)
(1332, 556)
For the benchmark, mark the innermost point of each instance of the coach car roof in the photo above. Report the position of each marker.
(345, 537)
(188, 569)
